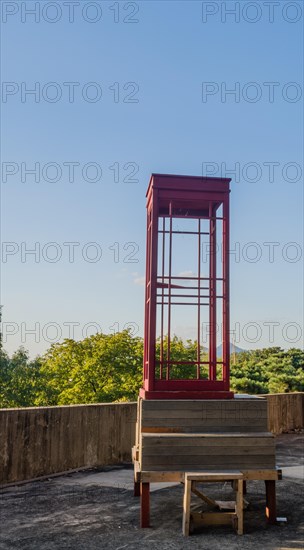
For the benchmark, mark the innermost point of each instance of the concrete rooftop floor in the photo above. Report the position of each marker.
(96, 509)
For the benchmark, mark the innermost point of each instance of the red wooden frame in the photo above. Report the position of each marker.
(200, 199)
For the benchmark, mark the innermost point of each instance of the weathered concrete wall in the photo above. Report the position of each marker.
(45, 440)
(285, 411)
(40, 441)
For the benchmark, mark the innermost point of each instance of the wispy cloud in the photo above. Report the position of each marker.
(138, 279)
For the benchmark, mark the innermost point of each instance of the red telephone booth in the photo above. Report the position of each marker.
(187, 288)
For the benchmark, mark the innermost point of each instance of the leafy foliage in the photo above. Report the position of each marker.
(183, 353)
(21, 380)
(100, 368)
(108, 367)
(268, 370)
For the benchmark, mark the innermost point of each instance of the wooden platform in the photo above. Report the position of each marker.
(189, 452)
(212, 416)
(177, 437)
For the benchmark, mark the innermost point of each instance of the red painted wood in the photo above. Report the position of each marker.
(271, 507)
(187, 394)
(188, 385)
(199, 198)
(145, 504)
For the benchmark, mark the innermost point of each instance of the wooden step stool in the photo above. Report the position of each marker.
(212, 518)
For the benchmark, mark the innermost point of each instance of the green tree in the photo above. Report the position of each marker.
(268, 370)
(100, 368)
(21, 380)
(184, 353)
(108, 367)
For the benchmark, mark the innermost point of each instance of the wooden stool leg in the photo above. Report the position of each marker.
(136, 488)
(186, 507)
(271, 508)
(145, 504)
(239, 506)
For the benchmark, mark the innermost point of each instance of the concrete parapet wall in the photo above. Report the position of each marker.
(285, 412)
(46, 440)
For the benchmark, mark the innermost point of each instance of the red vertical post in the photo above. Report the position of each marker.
(161, 358)
(198, 370)
(153, 292)
(169, 294)
(147, 297)
(212, 291)
(271, 507)
(226, 285)
(145, 504)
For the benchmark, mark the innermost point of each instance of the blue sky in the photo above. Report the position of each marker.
(138, 108)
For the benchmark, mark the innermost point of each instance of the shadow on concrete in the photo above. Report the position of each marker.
(97, 510)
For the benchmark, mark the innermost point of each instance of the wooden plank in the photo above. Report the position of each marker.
(164, 430)
(262, 474)
(186, 507)
(223, 475)
(207, 450)
(212, 518)
(209, 427)
(157, 443)
(194, 404)
(203, 429)
(185, 467)
(195, 425)
(160, 476)
(200, 436)
(203, 411)
(207, 459)
(205, 414)
(239, 507)
(135, 453)
(201, 495)
(205, 466)
(212, 467)
(215, 418)
(139, 421)
(137, 472)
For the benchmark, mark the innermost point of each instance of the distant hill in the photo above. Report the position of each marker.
(233, 349)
